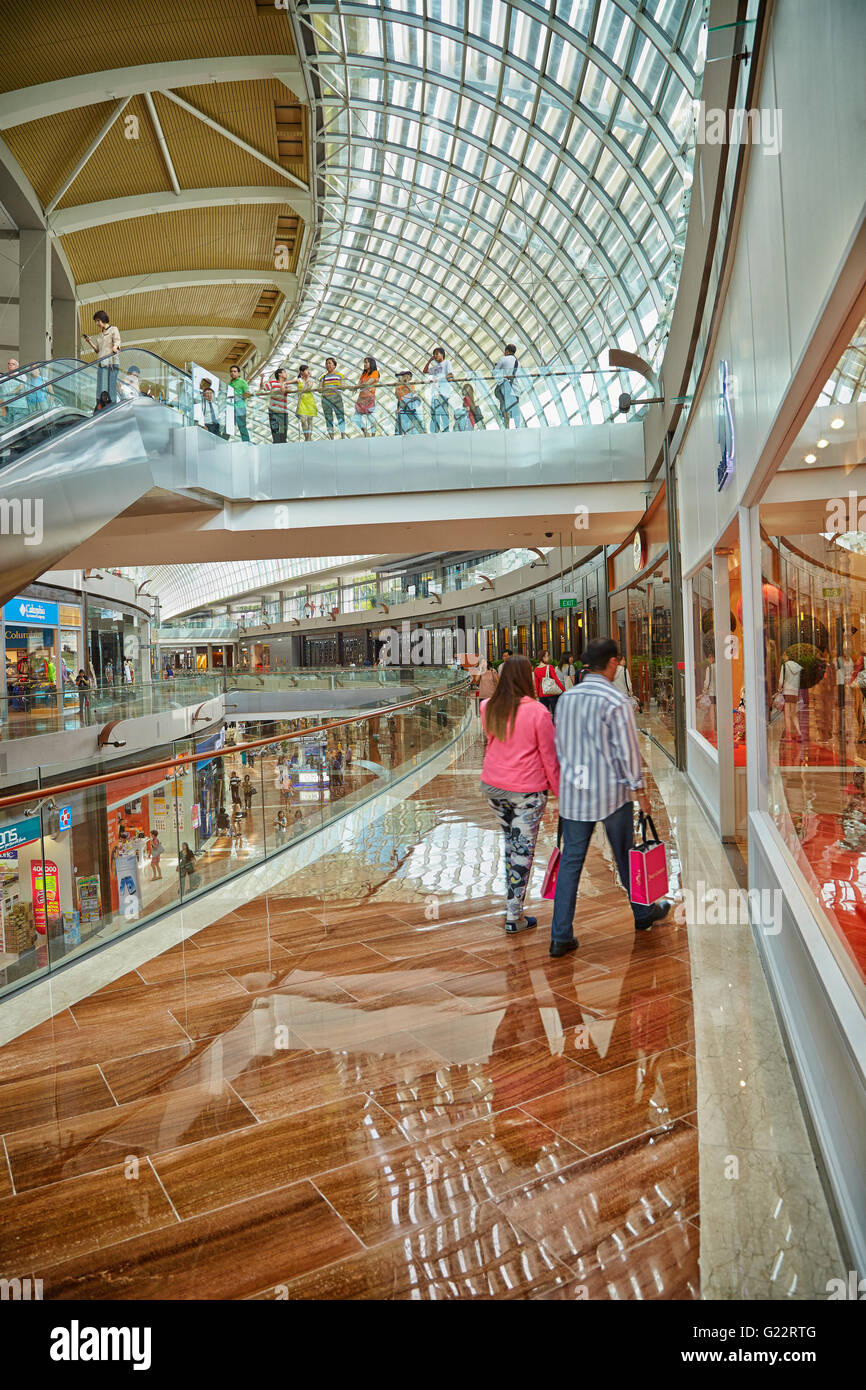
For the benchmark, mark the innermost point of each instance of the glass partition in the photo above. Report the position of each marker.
(82, 866)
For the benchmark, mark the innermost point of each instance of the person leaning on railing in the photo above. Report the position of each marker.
(410, 410)
(331, 387)
(365, 403)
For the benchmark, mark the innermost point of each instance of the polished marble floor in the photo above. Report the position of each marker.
(355, 1085)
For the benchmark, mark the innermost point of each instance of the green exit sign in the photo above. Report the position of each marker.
(568, 601)
(832, 593)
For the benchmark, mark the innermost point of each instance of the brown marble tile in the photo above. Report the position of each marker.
(419, 941)
(652, 1024)
(87, 1044)
(615, 991)
(131, 980)
(84, 1143)
(50, 1224)
(281, 1008)
(664, 1267)
(227, 1254)
(188, 963)
(213, 1173)
(613, 1201)
(338, 1026)
(328, 963)
(389, 976)
(600, 1111)
(455, 1094)
(174, 995)
(489, 1027)
(52, 1096)
(432, 1181)
(476, 1254)
(301, 1080)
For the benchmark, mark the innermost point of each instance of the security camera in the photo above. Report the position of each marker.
(548, 535)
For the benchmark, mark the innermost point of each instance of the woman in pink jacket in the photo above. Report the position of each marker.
(519, 769)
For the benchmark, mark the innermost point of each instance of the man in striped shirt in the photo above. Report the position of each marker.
(600, 778)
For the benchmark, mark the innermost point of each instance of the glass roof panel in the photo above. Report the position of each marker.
(538, 192)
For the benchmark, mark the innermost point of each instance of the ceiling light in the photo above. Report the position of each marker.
(811, 458)
(822, 443)
(837, 423)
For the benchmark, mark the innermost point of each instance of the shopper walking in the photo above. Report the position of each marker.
(107, 349)
(507, 390)
(410, 408)
(155, 851)
(566, 670)
(365, 403)
(548, 686)
(186, 867)
(235, 788)
(600, 776)
(208, 406)
(305, 410)
(277, 392)
(519, 769)
(82, 682)
(439, 372)
(249, 792)
(241, 391)
(332, 384)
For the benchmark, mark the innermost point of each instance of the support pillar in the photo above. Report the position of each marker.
(34, 293)
(65, 328)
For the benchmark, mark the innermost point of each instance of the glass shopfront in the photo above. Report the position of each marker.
(813, 620)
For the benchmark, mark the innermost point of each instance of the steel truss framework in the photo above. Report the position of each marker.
(497, 170)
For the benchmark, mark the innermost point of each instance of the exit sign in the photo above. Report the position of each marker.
(568, 601)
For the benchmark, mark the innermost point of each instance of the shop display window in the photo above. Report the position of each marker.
(813, 618)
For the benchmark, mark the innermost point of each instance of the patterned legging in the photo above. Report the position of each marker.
(519, 814)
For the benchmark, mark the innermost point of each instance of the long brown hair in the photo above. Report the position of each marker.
(515, 681)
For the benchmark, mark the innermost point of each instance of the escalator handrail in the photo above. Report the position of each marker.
(82, 367)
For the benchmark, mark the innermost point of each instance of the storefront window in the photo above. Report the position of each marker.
(814, 636)
(649, 654)
(703, 712)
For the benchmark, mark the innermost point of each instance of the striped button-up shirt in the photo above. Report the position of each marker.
(597, 748)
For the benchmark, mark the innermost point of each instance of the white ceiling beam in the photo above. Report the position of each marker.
(91, 148)
(137, 337)
(161, 141)
(52, 98)
(284, 280)
(235, 139)
(77, 219)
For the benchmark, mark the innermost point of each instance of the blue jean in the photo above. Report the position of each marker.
(241, 423)
(106, 380)
(440, 419)
(576, 835)
(332, 409)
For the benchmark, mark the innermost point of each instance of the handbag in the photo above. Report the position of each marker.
(779, 700)
(647, 866)
(548, 685)
(548, 887)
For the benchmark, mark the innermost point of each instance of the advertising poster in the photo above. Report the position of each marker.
(90, 906)
(45, 892)
(128, 888)
(159, 809)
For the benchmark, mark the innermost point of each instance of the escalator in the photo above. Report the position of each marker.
(65, 471)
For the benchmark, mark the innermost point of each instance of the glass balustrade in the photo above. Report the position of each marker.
(81, 866)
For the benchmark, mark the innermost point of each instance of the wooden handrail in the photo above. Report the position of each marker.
(60, 789)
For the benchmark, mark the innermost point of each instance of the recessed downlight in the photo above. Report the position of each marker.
(837, 423)
(822, 443)
(811, 458)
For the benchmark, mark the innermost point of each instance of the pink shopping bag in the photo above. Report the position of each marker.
(548, 887)
(647, 867)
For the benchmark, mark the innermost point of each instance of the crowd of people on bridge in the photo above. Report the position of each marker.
(433, 398)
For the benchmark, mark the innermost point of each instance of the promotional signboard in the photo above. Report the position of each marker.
(32, 612)
(45, 893)
(128, 889)
(90, 907)
(19, 832)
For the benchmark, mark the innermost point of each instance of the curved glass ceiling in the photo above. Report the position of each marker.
(495, 170)
(183, 588)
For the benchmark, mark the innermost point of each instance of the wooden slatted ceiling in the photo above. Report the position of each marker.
(46, 40)
(248, 109)
(207, 352)
(221, 305)
(203, 238)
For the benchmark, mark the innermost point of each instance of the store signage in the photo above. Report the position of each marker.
(725, 419)
(33, 612)
(568, 600)
(832, 593)
(128, 892)
(21, 832)
(64, 818)
(45, 891)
